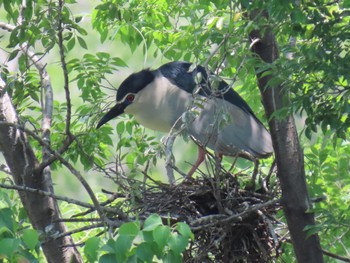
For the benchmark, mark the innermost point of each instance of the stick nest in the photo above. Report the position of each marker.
(229, 224)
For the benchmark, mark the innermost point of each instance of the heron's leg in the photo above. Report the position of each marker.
(218, 159)
(252, 185)
(219, 156)
(200, 159)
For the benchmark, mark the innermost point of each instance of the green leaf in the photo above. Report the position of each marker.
(6, 219)
(119, 62)
(122, 247)
(177, 243)
(82, 42)
(312, 229)
(184, 230)
(8, 246)
(120, 127)
(144, 252)
(78, 18)
(13, 54)
(148, 236)
(161, 235)
(152, 222)
(71, 44)
(109, 246)
(5, 232)
(14, 38)
(129, 126)
(30, 238)
(8, 7)
(91, 247)
(107, 258)
(130, 229)
(172, 257)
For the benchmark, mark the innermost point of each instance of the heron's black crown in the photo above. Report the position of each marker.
(135, 82)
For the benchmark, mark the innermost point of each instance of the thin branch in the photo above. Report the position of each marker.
(51, 158)
(64, 68)
(79, 220)
(57, 197)
(332, 255)
(103, 204)
(78, 230)
(7, 27)
(47, 104)
(208, 221)
(216, 50)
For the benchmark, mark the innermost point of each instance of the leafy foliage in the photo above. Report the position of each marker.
(18, 242)
(313, 38)
(136, 244)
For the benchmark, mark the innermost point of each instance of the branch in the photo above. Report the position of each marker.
(64, 68)
(332, 255)
(47, 109)
(79, 220)
(57, 197)
(7, 27)
(78, 230)
(213, 220)
(213, 53)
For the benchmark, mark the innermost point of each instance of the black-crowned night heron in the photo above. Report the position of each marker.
(181, 95)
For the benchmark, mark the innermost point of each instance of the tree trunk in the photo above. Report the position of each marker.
(42, 211)
(289, 155)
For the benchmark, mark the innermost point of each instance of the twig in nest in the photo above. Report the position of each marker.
(207, 221)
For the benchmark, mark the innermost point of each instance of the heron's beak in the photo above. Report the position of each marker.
(112, 113)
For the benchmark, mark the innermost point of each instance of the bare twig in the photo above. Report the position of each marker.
(78, 230)
(207, 221)
(79, 220)
(216, 50)
(64, 68)
(332, 255)
(57, 197)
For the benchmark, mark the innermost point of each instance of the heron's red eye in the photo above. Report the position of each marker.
(130, 98)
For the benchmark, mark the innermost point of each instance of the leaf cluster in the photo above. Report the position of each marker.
(142, 244)
(18, 241)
